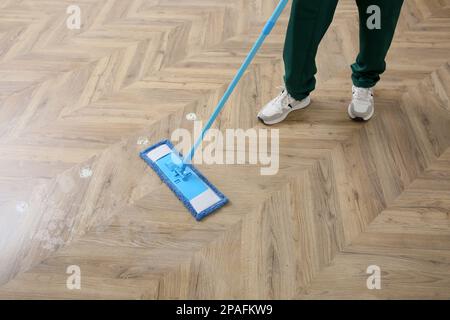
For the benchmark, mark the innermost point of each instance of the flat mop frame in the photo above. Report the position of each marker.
(198, 195)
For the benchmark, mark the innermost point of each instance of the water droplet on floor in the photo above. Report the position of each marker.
(142, 141)
(21, 207)
(191, 116)
(86, 172)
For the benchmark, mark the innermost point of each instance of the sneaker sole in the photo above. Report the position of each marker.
(355, 118)
(302, 105)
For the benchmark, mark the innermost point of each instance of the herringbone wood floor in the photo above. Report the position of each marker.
(348, 195)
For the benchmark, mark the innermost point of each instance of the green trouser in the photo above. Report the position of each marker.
(308, 23)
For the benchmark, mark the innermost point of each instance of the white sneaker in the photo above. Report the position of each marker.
(362, 106)
(278, 109)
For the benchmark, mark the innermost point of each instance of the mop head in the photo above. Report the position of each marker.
(198, 195)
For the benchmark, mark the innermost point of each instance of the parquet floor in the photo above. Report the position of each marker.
(348, 195)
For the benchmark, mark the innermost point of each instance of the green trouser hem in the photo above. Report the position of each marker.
(308, 24)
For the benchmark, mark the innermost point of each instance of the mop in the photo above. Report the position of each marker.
(198, 195)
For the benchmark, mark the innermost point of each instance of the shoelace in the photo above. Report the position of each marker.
(362, 94)
(282, 100)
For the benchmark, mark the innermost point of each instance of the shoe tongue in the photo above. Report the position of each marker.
(362, 94)
(282, 96)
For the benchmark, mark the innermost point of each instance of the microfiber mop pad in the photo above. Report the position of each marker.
(198, 195)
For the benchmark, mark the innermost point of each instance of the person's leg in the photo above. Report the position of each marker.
(308, 23)
(374, 43)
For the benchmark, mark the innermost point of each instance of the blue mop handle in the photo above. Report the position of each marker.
(266, 31)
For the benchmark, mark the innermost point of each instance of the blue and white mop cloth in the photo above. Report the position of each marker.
(198, 195)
